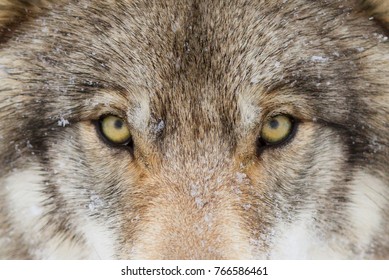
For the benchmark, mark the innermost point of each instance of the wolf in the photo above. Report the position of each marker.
(190, 129)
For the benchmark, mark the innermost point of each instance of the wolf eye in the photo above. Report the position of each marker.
(115, 130)
(277, 130)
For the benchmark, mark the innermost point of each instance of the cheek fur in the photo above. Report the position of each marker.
(195, 84)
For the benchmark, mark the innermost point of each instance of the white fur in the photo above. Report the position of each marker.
(98, 237)
(23, 190)
(299, 240)
(250, 112)
(369, 201)
(141, 114)
(23, 193)
(100, 240)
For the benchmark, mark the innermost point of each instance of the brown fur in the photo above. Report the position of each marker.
(195, 81)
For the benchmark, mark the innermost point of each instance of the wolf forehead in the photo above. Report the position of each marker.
(193, 58)
(193, 44)
(156, 44)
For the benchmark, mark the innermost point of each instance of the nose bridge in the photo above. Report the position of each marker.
(198, 148)
(194, 216)
(199, 117)
(194, 173)
(200, 171)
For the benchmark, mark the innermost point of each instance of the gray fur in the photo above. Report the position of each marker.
(198, 186)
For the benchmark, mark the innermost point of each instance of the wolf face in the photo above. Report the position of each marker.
(194, 129)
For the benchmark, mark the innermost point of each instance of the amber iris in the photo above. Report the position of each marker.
(277, 129)
(115, 129)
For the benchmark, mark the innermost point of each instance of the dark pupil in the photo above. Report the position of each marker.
(118, 124)
(274, 124)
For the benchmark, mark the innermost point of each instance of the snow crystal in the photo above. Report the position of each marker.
(29, 145)
(374, 145)
(277, 64)
(175, 26)
(240, 177)
(160, 126)
(381, 38)
(246, 206)
(187, 47)
(178, 64)
(63, 122)
(194, 190)
(95, 203)
(317, 58)
(17, 148)
(360, 49)
(199, 202)
(72, 80)
(208, 219)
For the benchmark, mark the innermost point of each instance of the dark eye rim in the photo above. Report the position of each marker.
(127, 145)
(263, 144)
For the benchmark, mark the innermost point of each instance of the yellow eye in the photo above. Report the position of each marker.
(277, 129)
(115, 130)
